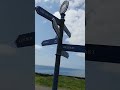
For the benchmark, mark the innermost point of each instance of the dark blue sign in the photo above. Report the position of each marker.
(24, 40)
(73, 48)
(102, 53)
(46, 14)
(49, 16)
(49, 42)
(65, 54)
(67, 31)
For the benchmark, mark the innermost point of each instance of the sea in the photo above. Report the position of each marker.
(63, 71)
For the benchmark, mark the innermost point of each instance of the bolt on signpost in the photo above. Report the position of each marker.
(63, 9)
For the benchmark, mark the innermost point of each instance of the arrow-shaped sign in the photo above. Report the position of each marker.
(54, 41)
(49, 42)
(27, 39)
(65, 54)
(73, 48)
(103, 53)
(46, 14)
(50, 17)
(67, 31)
(55, 27)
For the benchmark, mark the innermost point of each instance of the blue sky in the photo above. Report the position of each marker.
(75, 21)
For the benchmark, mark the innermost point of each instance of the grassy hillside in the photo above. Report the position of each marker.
(69, 83)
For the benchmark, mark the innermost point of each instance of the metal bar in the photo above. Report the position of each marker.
(58, 55)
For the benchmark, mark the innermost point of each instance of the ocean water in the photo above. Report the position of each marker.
(63, 71)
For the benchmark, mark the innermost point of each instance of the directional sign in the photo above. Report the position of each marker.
(46, 14)
(49, 42)
(73, 48)
(67, 31)
(55, 27)
(65, 54)
(103, 53)
(27, 39)
(50, 17)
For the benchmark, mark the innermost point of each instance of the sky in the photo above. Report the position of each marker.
(75, 22)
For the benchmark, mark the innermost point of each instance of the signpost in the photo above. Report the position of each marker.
(61, 48)
(24, 40)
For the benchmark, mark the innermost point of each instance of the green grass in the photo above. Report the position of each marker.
(69, 83)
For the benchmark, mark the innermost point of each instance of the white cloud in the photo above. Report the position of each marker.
(51, 47)
(57, 14)
(53, 1)
(45, 1)
(75, 20)
(44, 21)
(74, 3)
(81, 54)
(38, 47)
(7, 50)
(37, 1)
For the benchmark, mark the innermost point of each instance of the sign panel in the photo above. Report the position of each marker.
(46, 14)
(65, 54)
(27, 39)
(55, 27)
(67, 31)
(103, 53)
(73, 48)
(49, 42)
(49, 16)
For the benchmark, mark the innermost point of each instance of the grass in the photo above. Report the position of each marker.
(68, 83)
